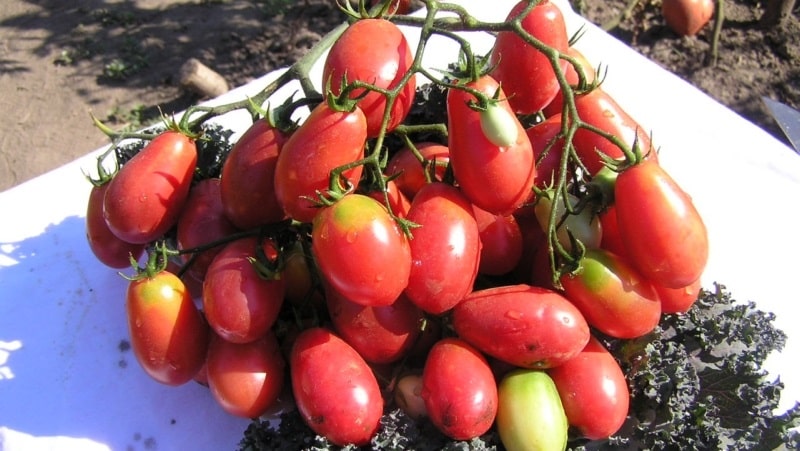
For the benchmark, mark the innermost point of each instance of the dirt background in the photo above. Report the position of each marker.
(119, 60)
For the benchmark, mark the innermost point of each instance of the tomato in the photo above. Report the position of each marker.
(495, 178)
(248, 177)
(203, 221)
(398, 201)
(360, 250)
(602, 111)
(397, 6)
(146, 196)
(664, 235)
(612, 295)
(380, 334)
(459, 390)
(593, 391)
(501, 242)
(530, 416)
(687, 17)
(547, 150)
(373, 51)
(326, 140)
(298, 275)
(530, 327)
(612, 240)
(240, 305)
(107, 247)
(584, 225)
(525, 73)
(245, 378)
(556, 106)
(335, 391)
(410, 173)
(408, 396)
(678, 300)
(445, 249)
(168, 334)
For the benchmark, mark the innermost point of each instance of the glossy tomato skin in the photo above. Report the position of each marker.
(459, 389)
(168, 334)
(445, 249)
(494, 178)
(612, 295)
(360, 250)
(334, 388)
(373, 51)
(687, 17)
(678, 300)
(246, 379)
(410, 173)
(664, 235)
(239, 304)
(501, 242)
(526, 74)
(107, 247)
(248, 177)
(146, 196)
(326, 140)
(203, 221)
(527, 326)
(593, 391)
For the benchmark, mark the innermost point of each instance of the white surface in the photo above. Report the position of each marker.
(63, 375)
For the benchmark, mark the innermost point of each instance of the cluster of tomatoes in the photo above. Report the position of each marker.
(466, 281)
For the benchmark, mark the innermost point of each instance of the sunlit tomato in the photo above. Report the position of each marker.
(547, 150)
(411, 172)
(381, 334)
(678, 300)
(248, 177)
(687, 17)
(245, 378)
(373, 51)
(665, 237)
(602, 111)
(240, 305)
(334, 388)
(459, 390)
(107, 247)
(612, 295)
(557, 105)
(593, 391)
(146, 196)
(583, 226)
(525, 72)
(530, 416)
(360, 250)
(501, 242)
(496, 179)
(526, 326)
(168, 334)
(203, 222)
(398, 201)
(445, 249)
(326, 140)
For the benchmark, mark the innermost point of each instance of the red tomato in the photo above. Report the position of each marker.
(678, 300)
(168, 334)
(201, 222)
(146, 196)
(360, 250)
(411, 171)
(665, 237)
(326, 140)
(397, 6)
(459, 390)
(525, 72)
(687, 17)
(547, 153)
(373, 51)
(245, 378)
(557, 105)
(501, 242)
(612, 295)
(334, 388)
(526, 326)
(381, 334)
(248, 177)
(593, 391)
(612, 240)
(495, 178)
(107, 247)
(240, 305)
(445, 249)
(398, 201)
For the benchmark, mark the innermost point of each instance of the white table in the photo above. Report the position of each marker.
(64, 375)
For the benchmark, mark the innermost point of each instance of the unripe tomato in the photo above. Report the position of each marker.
(584, 226)
(408, 396)
(459, 390)
(687, 17)
(107, 247)
(530, 417)
(334, 388)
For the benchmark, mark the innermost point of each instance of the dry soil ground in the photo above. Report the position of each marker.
(119, 59)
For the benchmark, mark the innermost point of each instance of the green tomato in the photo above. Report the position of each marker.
(530, 415)
(584, 226)
(499, 125)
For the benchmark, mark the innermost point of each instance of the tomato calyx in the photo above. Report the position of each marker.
(157, 260)
(103, 174)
